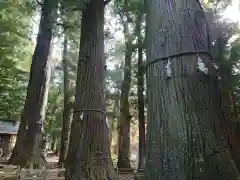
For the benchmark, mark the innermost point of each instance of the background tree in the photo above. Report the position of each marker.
(70, 30)
(127, 12)
(27, 151)
(225, 49)
(140, 92)
(89, 129)
(16, 47)
(125, 116)
(67, 104)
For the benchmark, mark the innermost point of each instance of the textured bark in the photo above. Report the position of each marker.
(181, 139)
(236, 145)
(89, 151)
(125, 117)
(53, 144)
(27, 151)
(234, 104)
(6, 146)
(226, 104)
(140, 89)
(226, 89)
(67, 102)
(111, 127)
(115, 118)
(229, 111)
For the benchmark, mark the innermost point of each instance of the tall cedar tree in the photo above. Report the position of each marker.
(89, 150)
(67, 104)
(125, 117)
(140, 90)
(27, 151)
(181, 139)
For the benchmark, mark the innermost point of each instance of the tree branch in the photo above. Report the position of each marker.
(39, 3)
(106, 2)
(64, 25)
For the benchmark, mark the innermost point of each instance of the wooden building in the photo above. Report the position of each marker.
(8, 135)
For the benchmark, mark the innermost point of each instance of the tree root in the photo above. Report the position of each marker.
(103, 171)
(100, 173)
(33, 162)
(139, 176)
(36, 162)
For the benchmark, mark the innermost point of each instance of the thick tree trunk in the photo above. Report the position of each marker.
(27, 151)
(140, 89)
(89, 151)
(67, 102)
(181, 141)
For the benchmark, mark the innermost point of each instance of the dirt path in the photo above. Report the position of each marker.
(52, 160)
(126, 177)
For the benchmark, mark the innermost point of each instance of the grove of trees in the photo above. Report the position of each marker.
(88, 79)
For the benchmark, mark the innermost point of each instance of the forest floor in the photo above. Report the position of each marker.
(52, 159)
(126, 176)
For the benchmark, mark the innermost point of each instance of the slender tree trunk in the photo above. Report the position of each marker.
(140, 89)
(141, 117)
(111, 128)
(6, 145)
(115, 118)
(125, 117)
(53, 143)
(27, 151)
(89, 151)
(236, 145)
(67, 109)
(116, 146)
(181, 142)
(233, 97)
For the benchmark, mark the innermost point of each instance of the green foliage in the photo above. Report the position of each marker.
(69, 28)
(226, 52)
(15, 48)
(133, 6)
(73, 5)
(235, 57)
(235, 51)
(53, 121)
(218, 5)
